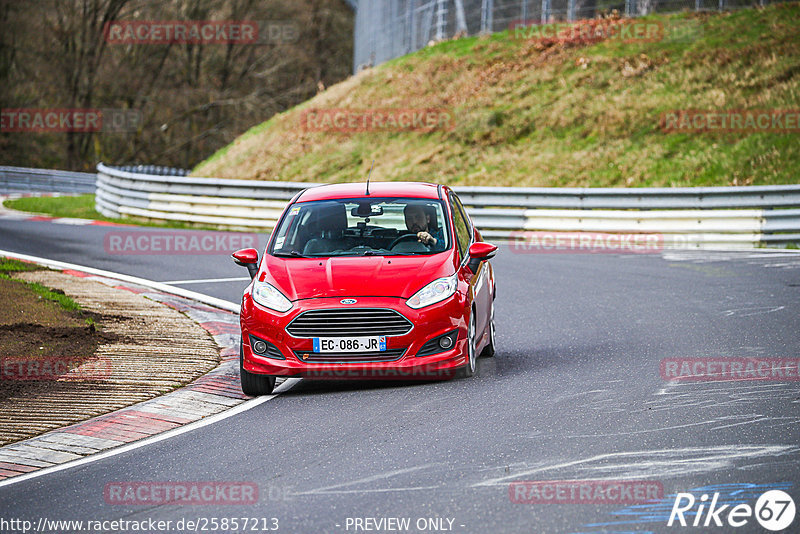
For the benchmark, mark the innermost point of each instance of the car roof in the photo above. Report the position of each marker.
(376, 189)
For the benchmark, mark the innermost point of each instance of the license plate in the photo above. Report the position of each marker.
(350, 344)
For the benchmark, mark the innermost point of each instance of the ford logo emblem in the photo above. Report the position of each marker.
(348, 301)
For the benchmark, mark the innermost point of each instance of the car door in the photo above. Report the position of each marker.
(478, 282)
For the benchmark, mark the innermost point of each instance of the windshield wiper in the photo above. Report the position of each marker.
(292, 254)
(384, 252)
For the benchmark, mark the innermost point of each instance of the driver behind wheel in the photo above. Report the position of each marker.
(418, 221)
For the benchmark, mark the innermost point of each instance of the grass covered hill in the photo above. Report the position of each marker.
(530, 109)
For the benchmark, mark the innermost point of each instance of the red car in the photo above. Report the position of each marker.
(385, 281)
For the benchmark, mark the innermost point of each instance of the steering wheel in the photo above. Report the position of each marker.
(404, 237)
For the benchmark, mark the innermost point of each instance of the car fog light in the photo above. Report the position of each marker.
(260, 347)
(446, 342)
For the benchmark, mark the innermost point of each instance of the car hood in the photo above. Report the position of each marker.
(362, 276)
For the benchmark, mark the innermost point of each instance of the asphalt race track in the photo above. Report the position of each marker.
(575, 392)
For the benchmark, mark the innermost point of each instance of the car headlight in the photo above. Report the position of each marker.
(436, 291)
(268, 296)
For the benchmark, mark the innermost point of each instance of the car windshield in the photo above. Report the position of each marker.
(362, 227)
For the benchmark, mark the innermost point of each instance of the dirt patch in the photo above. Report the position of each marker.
(139, 349)
(58, 350)
(35, 340)
(34, 330)
(20, 304)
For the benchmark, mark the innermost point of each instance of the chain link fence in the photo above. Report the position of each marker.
(386, 29)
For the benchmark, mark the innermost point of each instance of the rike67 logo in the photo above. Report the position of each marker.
(774, 510)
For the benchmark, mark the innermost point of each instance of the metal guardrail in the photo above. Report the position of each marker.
(690, 217)
(154, 169)
(736, 197)
(26, 180)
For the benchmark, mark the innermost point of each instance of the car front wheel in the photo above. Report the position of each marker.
(254, 384)
(489, 349)
(469, 369)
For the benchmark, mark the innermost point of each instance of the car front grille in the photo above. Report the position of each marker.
(349, 323)
(349, 357)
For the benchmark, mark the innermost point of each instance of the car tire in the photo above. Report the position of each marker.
(469, 369)
(254, 384)
(489, 350)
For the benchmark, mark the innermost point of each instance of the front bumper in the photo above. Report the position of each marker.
(428, 323)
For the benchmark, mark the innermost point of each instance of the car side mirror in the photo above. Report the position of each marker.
(247, 257)
(479, 252)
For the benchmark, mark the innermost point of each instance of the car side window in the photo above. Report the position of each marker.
(467, 220)
(462, 228)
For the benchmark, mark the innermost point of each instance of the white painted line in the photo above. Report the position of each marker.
(372, 478)
(207, 280)
(247, 405)
(159, 286)
(72, 221)
(212, 301)
(657, 463)
(379, 490)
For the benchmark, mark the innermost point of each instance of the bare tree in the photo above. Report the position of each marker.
(194, 98)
